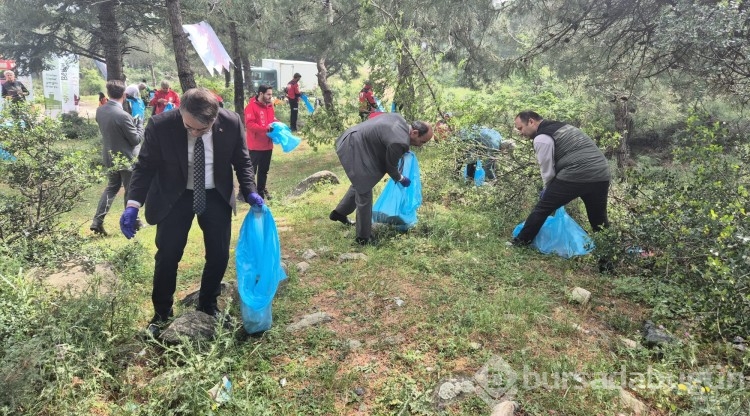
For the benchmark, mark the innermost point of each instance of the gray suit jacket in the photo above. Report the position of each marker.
(120, 133)
(373, 148)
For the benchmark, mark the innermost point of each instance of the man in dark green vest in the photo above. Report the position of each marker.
(572, 166)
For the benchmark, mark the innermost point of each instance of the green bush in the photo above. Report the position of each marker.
(44, 182)
(692, 219)
(76, 127)
(92, 81)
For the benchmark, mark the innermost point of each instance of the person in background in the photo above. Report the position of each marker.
(442, 129)
(184, 170)
(292, 95)
(102, 99)
(121, 136)
(145, 91)
(259, 114)
(367, 103)
(572, 166)
(162, 97)
(133, 103)
(13, 90)
(368, 151)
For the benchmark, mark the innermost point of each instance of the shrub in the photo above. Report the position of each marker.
(693, 217)
(77, 127)
(44, 182)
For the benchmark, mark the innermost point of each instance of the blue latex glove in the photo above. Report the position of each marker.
(127, 222)
(405, 181)
(255, 199)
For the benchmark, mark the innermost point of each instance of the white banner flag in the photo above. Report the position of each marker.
(208, 46)
(61, 85)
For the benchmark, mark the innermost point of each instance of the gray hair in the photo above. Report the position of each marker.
(201, 104)
(9, 72)
(165, 84)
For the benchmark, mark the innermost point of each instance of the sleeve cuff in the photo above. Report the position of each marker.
(133, 203)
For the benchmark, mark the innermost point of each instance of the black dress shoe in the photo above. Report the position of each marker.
(153, 330)
(98, 229)
(517, 242)
(157, 323)
(211, 310)
(335, 216)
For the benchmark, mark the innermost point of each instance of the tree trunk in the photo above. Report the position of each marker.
(110, 38)
(624, 126)
(323, 82)
(239, 85)
(153, 76)
(247, 72)
(180, 39)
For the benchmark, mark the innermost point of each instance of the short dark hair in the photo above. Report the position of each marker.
(200, 103)
(527, 115)
(420, 126)
(297, 75)
(115, 89)
(262, 88)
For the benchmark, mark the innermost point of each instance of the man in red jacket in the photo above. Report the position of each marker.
(367, 103)
(259, 114)
(292, 95)
(162, 97)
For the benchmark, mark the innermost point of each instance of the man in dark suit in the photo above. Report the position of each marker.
(176, 183)
(121, 136)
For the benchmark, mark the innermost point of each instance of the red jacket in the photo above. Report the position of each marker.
(367, 100)
(169, 95)
(292, 90)
(258, 117)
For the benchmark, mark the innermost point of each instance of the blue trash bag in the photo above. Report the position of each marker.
(380, 106)
(309, 106)
(397, 205)
(490, 137)
(168, 107)
(137, 108)
(258, 263)
(6, 155)
(560, 235)
(282, 135)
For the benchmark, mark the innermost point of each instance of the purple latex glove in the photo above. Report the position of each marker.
(128, 221)
(255, 199)
(405, 181)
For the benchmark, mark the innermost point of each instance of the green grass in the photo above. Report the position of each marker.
(466, 297)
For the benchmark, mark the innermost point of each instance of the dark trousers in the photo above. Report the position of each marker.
(559, 193)
(294, 107)
(362, 203)
(261, 164)
(171, 238)
(115, 180)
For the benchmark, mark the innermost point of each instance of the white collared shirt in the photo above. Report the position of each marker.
(208, 146)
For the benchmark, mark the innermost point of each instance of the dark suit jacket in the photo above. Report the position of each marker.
(160, 175)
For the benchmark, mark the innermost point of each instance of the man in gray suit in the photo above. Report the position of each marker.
(121, 138)
(368, 151)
